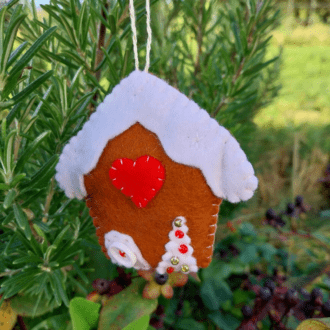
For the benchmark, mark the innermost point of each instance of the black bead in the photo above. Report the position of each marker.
(271, 214)
(247, 311)
(265, 294)
(161, 278)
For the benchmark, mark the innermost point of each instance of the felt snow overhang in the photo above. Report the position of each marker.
(187, 133)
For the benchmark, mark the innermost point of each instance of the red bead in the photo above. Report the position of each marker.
(123, 254)
(170, 270)
(183, 248)
(179, 233)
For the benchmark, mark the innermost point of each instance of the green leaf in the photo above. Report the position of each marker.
(249, 254)
(26, 305)
(44, 244)
(12, 114)
(84, 313)
(32, 87)
(30, 150)
(58, 283)
(60, 236)
(8, 150)
(126, 306)
(2, 19)
(22, 220)
(325, 214)
(267, 251)
(112, 23)
(217, 269)
(321, 237)
(140, 324)
(241, 297)
(189, 324)
(256, 68)
(11, 33)
(115, 78)
(32, 51)
(4, 186)
(214, 293)
(9, 198)
(247, 229)
(224, 322)
(17, 179)
(42, 176)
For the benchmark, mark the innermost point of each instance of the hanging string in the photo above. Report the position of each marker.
(149, 36)
(132, 14)
(133, 25)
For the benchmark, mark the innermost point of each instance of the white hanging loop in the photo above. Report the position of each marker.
(133, 25)
(149, 36)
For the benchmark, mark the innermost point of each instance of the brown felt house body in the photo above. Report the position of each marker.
(203, 164)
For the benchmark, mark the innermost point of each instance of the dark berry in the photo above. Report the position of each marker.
(280, 222)
(247, 311)
(308, 309)
(275, 272)
(305, 294)
(160, 310)
(257, 272)
(223, 253)
(292, 297)
(326, 308)
(156, 323)
(161, 278)
(270, 285)
(299, 201)
(101, 286)
(270, 214)
(265, 294)
(234, 250)
(290, 209)
(316, 297)
(316, 292)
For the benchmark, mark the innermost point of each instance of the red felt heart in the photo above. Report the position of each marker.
(140, 180)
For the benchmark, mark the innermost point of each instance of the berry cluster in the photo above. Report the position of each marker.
(278, 302)
(157, 320)
(293, 210)
(226, 253)
(103, 289)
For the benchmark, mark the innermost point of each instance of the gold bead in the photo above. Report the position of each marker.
(185, 268)
(178, 222)
(175, 260)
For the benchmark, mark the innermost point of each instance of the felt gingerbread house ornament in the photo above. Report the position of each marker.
(153, 169)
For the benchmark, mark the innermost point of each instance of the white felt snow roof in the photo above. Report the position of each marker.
(188, 135)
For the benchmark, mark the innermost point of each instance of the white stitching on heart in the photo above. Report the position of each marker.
(153, 189)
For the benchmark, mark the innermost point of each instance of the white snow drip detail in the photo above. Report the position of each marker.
(123, 251)
(172, 250)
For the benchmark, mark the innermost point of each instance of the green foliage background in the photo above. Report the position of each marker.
(56, 69)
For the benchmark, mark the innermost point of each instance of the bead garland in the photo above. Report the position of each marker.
(178, 256)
